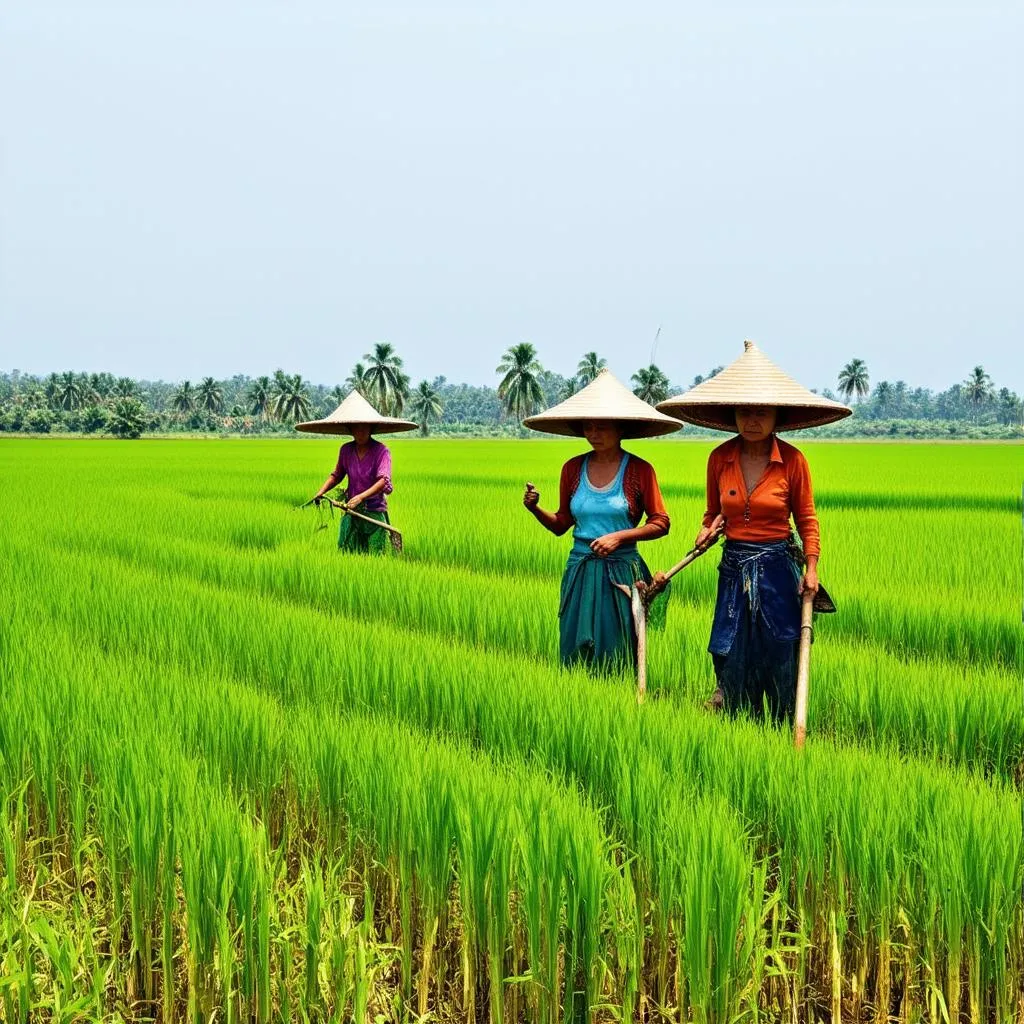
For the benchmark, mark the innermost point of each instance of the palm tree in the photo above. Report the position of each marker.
(210, 396)
(650, 385)
(387, 385)
(68, 392)
(259, 397)
(426, 406)
(184, 398)
(883, 398)
(569, 388)
(101, 384)
(128, 418)
(853, 379)
(978, 388)
(589, 367)
(519, 390)
(357, 380)
(124, 387)
(291, 398)
(1009, 407)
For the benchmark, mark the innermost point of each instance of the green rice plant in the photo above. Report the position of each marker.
(204, 702)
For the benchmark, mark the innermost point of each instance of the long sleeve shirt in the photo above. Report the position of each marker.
(364, 472)
(639, 484)
(764, 514)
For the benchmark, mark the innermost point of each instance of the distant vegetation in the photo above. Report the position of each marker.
(100, 403)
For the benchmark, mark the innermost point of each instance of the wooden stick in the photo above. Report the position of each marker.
(803, 671)
(639, 610)
(366, 519)
(694, 553)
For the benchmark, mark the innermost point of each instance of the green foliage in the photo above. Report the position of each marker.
(244, 777)
(520, 390)
(127, 418)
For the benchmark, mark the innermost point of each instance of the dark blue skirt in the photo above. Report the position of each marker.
(756, 630)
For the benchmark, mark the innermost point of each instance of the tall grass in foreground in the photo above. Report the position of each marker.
(243, 777)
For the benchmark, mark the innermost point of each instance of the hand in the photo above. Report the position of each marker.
(709, 533)
(604, 546)
(354, 502)
(316, 501)
(656, 586)
(531, 496)
(809, 582)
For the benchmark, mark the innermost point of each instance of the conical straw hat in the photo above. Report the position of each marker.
(604, 398)
(753, 379)
(355, 410)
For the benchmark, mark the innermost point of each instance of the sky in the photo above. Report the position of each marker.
(209, 188)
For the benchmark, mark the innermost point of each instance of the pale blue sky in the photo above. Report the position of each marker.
(209, 187)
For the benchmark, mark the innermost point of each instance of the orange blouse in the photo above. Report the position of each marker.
(783, 491)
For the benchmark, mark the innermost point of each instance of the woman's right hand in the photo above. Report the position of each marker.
(708, 532)
(656, 586)
(531, 496)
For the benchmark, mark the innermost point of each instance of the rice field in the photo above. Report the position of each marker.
(245, 777)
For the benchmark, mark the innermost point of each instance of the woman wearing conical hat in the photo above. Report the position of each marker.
(603, 496)
(756, 485)
(366, 464)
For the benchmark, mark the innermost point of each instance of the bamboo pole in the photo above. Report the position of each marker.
(803, 671)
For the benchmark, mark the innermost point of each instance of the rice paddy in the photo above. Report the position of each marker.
(245, 777)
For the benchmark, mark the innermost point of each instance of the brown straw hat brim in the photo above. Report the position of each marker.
(604, 398)
(753, 380)
(355, 411)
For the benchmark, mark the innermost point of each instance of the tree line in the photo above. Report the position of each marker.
(99, 403)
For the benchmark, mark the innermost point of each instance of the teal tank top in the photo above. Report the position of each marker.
(599, 510)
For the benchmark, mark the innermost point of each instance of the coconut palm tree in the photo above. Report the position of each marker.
(68, 392)
(978, 388)
(127, 418)
(386, 383)
(209, 395)
(650, 385)
(853, 379)
(426, 406)
(883, 398)
(124, 387)
(291, 398)
(259, 397)
(101, 384)
(520, 391)
(569, 388)
(183, 401)
(589, 367)
(357, 380)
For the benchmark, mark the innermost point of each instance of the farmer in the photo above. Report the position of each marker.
(366, 463)
(603, 495)
(756, 484)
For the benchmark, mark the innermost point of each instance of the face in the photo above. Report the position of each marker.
(603, 435)
(361, 435)
(755, 422)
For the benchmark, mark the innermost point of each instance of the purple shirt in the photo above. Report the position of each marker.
(364, 472)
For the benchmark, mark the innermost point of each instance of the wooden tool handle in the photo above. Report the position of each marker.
(692, 555)
(803, 670)
(366, 519)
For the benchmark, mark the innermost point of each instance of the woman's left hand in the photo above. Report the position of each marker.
(809, 582)
(604, 546)
(355, 502)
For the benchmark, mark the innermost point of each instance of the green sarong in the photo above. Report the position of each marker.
(595, 619)
(355, 535)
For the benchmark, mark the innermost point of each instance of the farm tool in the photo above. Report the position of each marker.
(394, 535)
(811, 603)
(640, 597)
